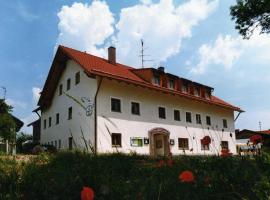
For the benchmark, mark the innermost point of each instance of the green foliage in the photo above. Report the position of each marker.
(250, 15)
(117, 176)
(7, 124)
(21, 138)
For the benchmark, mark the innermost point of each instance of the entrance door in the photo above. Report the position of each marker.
(159, 145)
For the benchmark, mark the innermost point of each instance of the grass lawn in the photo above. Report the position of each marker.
(117, 176)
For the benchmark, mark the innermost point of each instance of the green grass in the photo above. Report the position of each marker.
(117, 176)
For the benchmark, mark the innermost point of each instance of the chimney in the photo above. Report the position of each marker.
(161, 68)
(112, 55)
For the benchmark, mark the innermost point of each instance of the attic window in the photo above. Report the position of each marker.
(77, 78)
(207, 94)
(185, 87)
(156, 80)
(197, 91)
(171, 84)
(68, 84)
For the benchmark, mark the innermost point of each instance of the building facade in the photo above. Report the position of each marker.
(100, 105)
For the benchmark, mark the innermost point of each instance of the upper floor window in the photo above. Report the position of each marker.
(208, 120)
(135, 108)
(184, 87)
(57, 118)
(68, 84)
(183, 143)
(197, 91)
(177, 115)
(70, 113)
(50, 121)
(60, 89)
(225, 123)
(162, 112)
(156, 80)
(116, 140)
(115, 105)
(188, 117)
(198, 119)
(171, 84)
(207, 94)
(77, 78)
(44, 123)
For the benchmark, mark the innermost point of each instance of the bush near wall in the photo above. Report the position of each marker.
(116, 176)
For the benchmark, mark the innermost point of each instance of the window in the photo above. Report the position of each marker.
(162, 112)
(183, 143)
(198, 119)
(136, 142)
(185, 87)
(115, 105)
(171, 84)
(135, 108)
(57, 119)
(59, 144)
(207, 94)
(60, 89)
(70, 113)
(204, 147)
(50, 121)
(208, 120)
(188, 117)
(55, 143)
(70, 140)
(116, 140)
(77, 78)
(197, 91)
(224, 145)
(68, 84)
(177, 115)
(44, 123)
(156, 80)
(225, 124)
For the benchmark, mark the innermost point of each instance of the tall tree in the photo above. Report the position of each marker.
(250, 15)
(7, 124)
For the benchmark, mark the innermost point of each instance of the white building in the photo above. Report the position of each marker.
(91, 101)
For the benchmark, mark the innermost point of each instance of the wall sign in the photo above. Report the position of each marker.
(171, 141)
(146, 140)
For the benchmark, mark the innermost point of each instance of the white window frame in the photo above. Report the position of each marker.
(186, 117)
(165, 112)
(110, 103)
(133, 101)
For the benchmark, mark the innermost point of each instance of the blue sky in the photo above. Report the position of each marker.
(192, 38)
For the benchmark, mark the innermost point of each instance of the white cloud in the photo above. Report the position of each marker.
(36, 94)
(16, 103)
(162, 25)
(226, 50)
(85, 26)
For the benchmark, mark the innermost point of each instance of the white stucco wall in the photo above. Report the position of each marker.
(138, 126)
(60, 104)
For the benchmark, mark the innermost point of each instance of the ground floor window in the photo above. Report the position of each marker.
(59, 144)
(224, 145)
(183, 143)
(116, 140)
(70, 140)
(204, 147)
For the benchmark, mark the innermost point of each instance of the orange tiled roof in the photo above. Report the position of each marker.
(94, 65)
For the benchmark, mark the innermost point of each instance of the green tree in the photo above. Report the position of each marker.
(250, 15)
(21, 138)
(7, 124)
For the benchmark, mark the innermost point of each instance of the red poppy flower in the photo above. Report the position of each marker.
(206, 140)
(87, 193)
(186, 176)
(255, 139)
(170, 162)
(160, 163)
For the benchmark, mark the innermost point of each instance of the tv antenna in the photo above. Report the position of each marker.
(142, 55)
(5, 92)
(260, 126)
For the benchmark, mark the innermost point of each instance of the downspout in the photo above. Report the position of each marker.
(95, 138)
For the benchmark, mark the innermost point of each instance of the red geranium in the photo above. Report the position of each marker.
(160, 163)
(225, 153)
(87, 193)
(186, 176)
(255, 139)
(206, 140)
(170, 162)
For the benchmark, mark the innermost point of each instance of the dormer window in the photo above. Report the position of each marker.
(185, 88)
(171, 84)
(207, 94)
(197, 91)
(156, 80)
